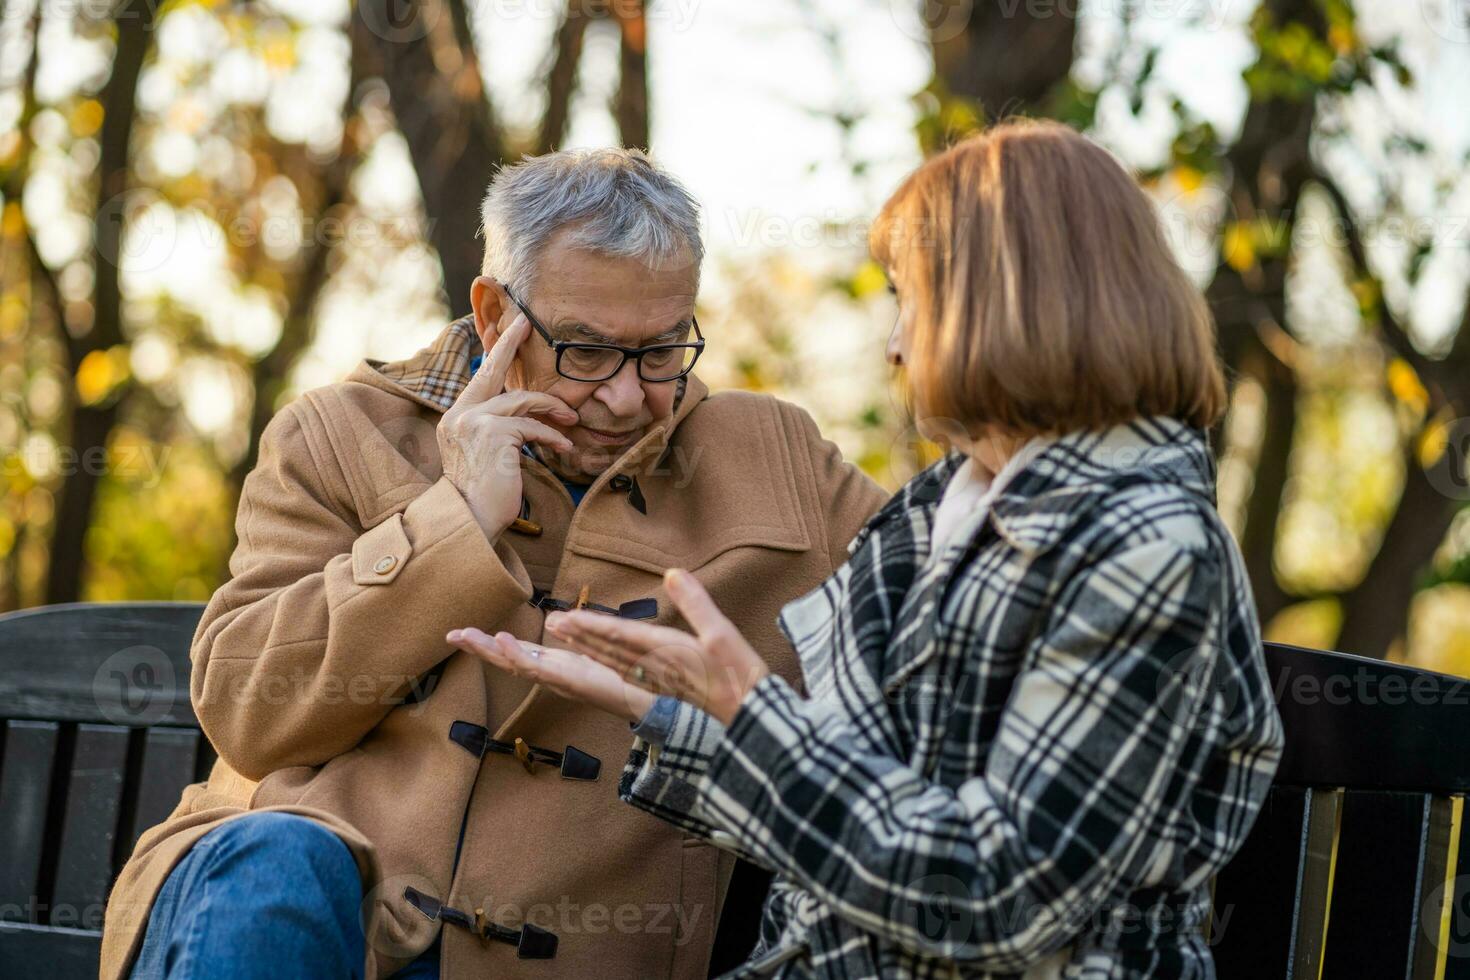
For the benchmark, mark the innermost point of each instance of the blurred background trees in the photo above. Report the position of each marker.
(206, 207)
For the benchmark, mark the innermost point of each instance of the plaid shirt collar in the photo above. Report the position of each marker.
(437, 373)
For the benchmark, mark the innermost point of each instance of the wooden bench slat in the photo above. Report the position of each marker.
(89, 828)
(169, 755)
(25, 789)
(124, 663)
(1317, 886)
(1380, 852)
(50, 953)
(1435, 933)
(1269, 903)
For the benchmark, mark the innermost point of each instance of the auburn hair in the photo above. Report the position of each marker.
(1043, 295)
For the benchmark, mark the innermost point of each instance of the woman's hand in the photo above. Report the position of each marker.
(713, 669)
(564, 672)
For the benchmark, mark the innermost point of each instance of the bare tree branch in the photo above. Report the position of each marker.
(561, 77)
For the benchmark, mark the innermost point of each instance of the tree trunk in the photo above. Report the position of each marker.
(1376, 611)
(1267, 167)
(1263, 509)
(561, 78)
(631, 105)
(92, 424)
(439, 102)
(1000, 55)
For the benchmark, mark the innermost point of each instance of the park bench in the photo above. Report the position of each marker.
(1358, 866)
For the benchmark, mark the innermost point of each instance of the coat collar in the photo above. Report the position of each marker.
(1079, 471)
(436, 374)
(1066, 480)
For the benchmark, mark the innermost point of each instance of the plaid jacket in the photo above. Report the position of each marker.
(1027, 757)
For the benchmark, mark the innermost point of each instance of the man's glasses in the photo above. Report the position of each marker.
(580, 361)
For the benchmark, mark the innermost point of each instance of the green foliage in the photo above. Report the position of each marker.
(945, 118)
(162, 520)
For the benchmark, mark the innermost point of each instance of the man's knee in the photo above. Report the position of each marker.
(287, 841)
(262, 880)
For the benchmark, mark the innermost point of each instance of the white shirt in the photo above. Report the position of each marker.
(969, 494)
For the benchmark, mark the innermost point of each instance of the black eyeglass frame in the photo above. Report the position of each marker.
(561, 346)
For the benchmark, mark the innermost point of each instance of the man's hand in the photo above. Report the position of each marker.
(569, 674)
(481, 436)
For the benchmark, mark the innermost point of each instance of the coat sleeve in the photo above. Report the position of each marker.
(323, 627)
(665, 779)
(1082, 788)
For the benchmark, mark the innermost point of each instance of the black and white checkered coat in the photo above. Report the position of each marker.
(1026, 758)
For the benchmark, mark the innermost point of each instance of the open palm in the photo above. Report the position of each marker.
(566, 673)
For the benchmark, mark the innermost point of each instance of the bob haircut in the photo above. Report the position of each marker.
(1044, 297)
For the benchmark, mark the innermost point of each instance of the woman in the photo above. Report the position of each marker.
(1036, 718)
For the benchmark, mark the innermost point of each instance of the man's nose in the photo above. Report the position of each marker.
(623, 392)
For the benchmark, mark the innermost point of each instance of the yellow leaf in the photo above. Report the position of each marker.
(86, 118)
(94, 377)
(1239, 246)
(1434, 438)
(100, 372)
(1189, 179)
(1366, 292)
(1404, 382)
(869, 278)
(14, 221)
(13, 314)
(279, 53)
(9, 147)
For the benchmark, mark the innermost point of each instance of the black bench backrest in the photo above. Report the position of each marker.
(97, 742)
(1359, 862)
(1358, 866)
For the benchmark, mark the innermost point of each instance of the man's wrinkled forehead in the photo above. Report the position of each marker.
(597, 298)
(573, 329)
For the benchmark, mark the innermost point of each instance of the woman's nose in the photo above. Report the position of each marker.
(893, 350)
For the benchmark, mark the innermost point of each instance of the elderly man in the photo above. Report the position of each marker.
(385, 803)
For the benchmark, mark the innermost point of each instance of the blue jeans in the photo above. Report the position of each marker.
(267, 895)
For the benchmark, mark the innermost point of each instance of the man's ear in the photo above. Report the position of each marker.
(490, 301)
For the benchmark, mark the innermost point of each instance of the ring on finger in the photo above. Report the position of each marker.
(639, 673)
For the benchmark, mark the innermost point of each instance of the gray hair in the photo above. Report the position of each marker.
(613, 201)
